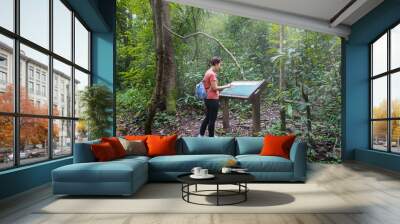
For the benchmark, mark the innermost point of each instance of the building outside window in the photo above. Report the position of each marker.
(43, 90)
(34, 81)
(37, 75)
(3, 72)
(30, 87)
(43, 77)
(3, 61)
(38, 89)
(3, 77)
(30, 72)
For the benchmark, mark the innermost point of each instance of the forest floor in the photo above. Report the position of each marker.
(188, 119)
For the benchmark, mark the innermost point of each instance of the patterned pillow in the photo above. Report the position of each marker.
(134, 147)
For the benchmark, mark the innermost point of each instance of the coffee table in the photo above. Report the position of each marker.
(238, 179)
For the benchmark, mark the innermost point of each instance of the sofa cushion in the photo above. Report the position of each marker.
(249, 145)
(161, 145)
(208, 145)
(134, 147)
(277, 145)
(136, 137)
(103, 152)
(185, 163)
(112, 171)
(257, 163)
(116, 145)
(83, 152)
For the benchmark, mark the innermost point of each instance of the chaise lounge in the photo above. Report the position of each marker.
(125, 176)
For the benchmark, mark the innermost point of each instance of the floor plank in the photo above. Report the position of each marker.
(378, 189)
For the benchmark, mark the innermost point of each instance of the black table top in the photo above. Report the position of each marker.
(220, 178)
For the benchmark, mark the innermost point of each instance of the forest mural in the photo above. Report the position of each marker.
(163, 49)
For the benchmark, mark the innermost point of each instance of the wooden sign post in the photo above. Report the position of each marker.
(244, 90)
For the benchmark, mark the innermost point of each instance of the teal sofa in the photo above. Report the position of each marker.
(125, 176)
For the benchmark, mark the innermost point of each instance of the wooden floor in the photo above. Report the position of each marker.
(377, 188)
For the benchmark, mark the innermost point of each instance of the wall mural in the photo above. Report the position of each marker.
(164, 50)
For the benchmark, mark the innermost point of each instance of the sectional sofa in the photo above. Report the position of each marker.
(125, 176)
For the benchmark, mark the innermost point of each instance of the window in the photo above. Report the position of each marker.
(62, 137)
(44, 91)
(35, 21)
(81, 45)
(7, 14)
(6, 73)
(30, 88)
(6, 142)
(81, 82)
(3, 72)
(62, 29)
(395, 47)
(47, 74)
(55, 101)
(385, 94)
(37, 74)
(3, 61)
(3, 78)
(62, 74)
(38, 89)
(30, 72)
(34, 145)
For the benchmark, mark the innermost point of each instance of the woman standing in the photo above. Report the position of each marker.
(211, 85)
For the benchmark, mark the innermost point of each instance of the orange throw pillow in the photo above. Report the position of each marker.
(116, 145)
(136, 137)
(161, 145)
(277, 145)
(103, 152)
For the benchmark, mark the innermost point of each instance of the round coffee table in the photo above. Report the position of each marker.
(238, 179)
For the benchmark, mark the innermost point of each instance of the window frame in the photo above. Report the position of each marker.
(16, 114)
(388, 74)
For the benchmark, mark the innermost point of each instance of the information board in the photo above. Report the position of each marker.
(242, 89)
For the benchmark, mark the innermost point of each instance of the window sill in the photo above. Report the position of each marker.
(30, 166)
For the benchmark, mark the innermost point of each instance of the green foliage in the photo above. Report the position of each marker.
(96, 102)
(132, 101)
(311, 62)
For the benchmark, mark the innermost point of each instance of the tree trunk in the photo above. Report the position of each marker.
(282, 81)
(169, 71)
(196, 41)
(156, 6)
(308, 116)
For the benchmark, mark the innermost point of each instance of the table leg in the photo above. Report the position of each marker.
(196, 187)
(225, 114)
(245, 193)
(188, 192)
(182, 190)
(217, 194)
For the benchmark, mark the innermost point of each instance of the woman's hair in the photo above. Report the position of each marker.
(214, 61)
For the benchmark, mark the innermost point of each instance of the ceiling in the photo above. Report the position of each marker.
(326, 16)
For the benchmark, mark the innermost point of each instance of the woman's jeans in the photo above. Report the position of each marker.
(211, 116)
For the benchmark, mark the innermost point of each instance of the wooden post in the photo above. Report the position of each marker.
(256, 114)
(225, 114)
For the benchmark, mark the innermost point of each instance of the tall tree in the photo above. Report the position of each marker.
(155, 102)
(169, 71)
(282, 78)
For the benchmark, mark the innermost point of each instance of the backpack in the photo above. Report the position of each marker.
(201, 92)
